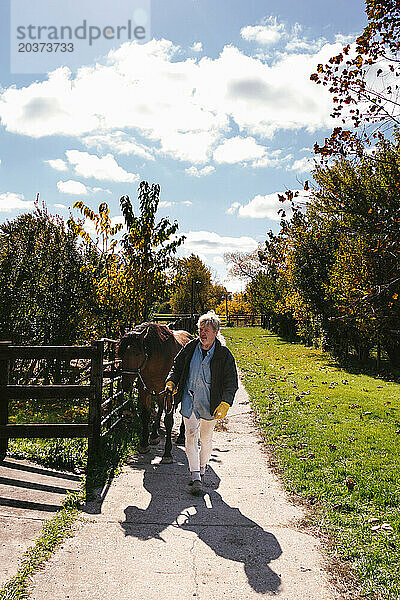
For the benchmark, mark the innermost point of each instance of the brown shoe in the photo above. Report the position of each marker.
(197, 488)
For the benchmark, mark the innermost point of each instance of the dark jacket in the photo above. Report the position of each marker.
(224, 377)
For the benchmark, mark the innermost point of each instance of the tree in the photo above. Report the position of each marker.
(364, 198)
(47, 295)
(238, 304)
(364, 81)
(147, 251)
(336, 261)
(193, 288)
(106, 271)
(130, 275)
(244, 265)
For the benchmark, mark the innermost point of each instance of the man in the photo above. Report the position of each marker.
(204, 379)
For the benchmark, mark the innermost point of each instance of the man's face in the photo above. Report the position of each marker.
(207, 335)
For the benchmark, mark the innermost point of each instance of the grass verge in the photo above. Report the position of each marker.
(336, 436)
(70, 454)
(54, 532)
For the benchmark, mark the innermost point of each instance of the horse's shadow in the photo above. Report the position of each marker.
(228, 532)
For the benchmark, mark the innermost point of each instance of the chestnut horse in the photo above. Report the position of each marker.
(147, 354)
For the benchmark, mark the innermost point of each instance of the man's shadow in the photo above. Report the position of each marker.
(228, 532)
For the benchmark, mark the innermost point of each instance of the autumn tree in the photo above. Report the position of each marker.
(193, 287)
(364, 198)
(337, 259)
(47, 295)
(364, 81)
(148, 248)
(107, 272)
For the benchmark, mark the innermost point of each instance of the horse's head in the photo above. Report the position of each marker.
(133, 355)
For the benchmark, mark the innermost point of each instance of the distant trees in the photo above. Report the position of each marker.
(193, 289)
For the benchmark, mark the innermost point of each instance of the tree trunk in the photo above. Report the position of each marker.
(392, 348)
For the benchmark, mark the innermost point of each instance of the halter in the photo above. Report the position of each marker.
(138, 372)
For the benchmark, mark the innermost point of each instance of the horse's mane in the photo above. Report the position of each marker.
(156, 336)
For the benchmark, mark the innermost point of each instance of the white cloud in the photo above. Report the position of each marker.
(291, 40)
(104, 168)
(60, 206)
(165, 204)
(345, 39)
(187, 203)
(72, 187)
(238, 149)
(208, 242)
(58, 164)
(233, 284)
(260, 207)
(10, 201)
(265, 207)
(267, 34)
(299, 42)
(197, 47)
(302, 165)
(203, 100)
(233, 208)
(119, 142)
(272, 159)
(195, 172)
(103, 190)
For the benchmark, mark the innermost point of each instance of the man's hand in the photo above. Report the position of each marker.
(170, 387)
(221, 410)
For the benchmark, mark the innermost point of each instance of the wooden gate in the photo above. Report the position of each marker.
(103, 391)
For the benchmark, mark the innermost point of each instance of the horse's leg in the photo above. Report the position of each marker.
(180, 440)
(155, 431)
(168, 422)
(144, 409)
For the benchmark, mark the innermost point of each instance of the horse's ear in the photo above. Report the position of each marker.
(122, 330)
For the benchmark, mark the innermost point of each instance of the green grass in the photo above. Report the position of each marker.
(336, 436)
(54, 532)
(71, 454)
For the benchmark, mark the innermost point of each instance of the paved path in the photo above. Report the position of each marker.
(152, 539)
(29, 495)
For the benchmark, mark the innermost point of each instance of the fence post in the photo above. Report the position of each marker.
(4, 371)
(96, 381)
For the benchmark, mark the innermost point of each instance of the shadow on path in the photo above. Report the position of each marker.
(228, 532)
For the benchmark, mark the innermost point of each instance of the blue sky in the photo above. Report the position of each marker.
(217, 108)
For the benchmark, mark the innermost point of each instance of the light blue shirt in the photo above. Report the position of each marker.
(196, 395)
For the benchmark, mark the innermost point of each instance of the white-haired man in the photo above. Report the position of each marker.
(204, 380)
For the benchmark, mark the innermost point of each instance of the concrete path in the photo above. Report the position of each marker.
(29, 495)
(152, 539)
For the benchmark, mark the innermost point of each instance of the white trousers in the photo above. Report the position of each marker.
(194, 429)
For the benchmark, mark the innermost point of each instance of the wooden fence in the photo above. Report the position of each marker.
(241, 320)
(188, 322)
(103, 391)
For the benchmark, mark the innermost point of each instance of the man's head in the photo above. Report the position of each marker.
(208, 325)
